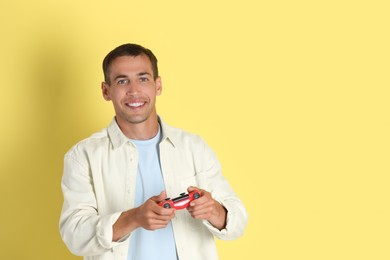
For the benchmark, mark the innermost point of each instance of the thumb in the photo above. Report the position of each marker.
(160, 197)
(191, 188)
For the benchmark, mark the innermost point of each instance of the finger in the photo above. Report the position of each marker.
(191, 188)
(159, 222)
(156, 225)
(199, 209)
(203, 215)
(200, 201)
(159, 197)
(201, 204)
(166, 212)
(151, 219)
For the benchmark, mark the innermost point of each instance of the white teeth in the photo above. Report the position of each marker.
(135, 104)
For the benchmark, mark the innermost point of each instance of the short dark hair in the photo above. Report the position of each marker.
(128, 49)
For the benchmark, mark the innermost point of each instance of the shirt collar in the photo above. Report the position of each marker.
(118, 139)
(116, 135)
(168, 133)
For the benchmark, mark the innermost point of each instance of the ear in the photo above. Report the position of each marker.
(158, 86)
(106, 91)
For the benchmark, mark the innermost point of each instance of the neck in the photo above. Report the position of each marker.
(140, 131)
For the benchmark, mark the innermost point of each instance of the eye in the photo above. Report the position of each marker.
(144, 79)
(122, 82)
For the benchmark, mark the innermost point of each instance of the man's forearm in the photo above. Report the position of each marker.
(124, 225)
(218, 218)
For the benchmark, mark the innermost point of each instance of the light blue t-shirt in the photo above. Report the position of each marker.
(145, 244)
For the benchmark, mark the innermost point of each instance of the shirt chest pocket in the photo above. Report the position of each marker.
(198, 180)
(188, 181)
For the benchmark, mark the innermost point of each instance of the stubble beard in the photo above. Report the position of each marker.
(139, 119)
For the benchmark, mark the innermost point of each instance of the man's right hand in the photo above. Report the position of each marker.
(149, 216)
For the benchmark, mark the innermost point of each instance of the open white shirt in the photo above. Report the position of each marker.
(99, 183)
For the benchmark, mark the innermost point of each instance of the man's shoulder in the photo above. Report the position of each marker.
(94, 141)
(181, 136)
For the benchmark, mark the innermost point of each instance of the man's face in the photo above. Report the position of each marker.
(132, 89)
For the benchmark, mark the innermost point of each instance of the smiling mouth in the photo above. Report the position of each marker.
(135, 104)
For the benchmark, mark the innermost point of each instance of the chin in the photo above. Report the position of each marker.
(136, 119)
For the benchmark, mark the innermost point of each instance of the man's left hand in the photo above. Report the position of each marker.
(207, 208)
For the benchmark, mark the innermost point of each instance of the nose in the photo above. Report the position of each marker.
(133, 88)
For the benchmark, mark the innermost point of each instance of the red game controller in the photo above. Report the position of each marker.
(180, 202)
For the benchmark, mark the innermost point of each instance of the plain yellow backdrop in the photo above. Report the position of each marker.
(293, 96)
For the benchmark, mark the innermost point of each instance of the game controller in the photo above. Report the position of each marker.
(180, 202)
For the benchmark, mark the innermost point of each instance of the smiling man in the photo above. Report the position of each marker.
(114, 180)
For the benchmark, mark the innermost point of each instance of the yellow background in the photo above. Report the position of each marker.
(293, 96)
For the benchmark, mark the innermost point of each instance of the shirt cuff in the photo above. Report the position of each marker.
(231, 229)
(104, 231)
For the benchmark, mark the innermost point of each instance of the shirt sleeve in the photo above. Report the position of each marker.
(83, 230)
(236, 220)
(212, 180)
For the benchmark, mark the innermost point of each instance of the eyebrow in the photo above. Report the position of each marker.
(139, 74)
(120, 77)
(143, 74)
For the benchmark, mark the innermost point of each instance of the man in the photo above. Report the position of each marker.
(114, 180)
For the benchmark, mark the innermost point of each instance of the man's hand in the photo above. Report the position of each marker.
(207, 208)
(149, 216)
